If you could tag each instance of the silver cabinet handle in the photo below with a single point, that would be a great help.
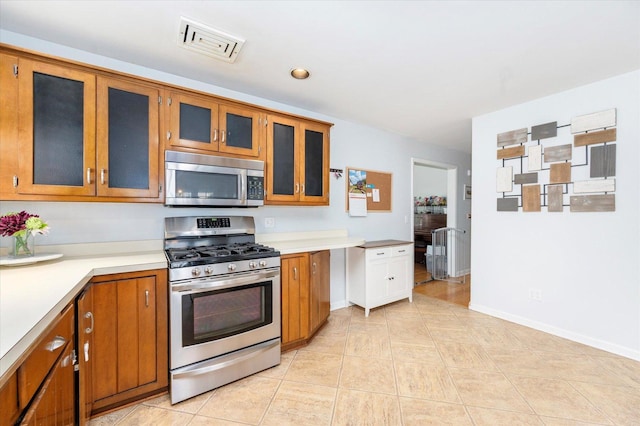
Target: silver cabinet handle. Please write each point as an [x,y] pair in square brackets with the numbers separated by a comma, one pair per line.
[222,132]
[297,187]
[303,188]
[295,273]
[89,315]
[56,343]
[146,298]
[215,135]
[102,176]
[314,268]
[88,175]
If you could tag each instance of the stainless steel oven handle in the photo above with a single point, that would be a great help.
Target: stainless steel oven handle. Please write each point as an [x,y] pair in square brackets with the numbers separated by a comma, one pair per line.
[204,370]
[215,284]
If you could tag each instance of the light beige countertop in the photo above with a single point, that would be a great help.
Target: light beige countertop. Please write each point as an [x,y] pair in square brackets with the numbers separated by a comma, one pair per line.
[31,296]
[299,242]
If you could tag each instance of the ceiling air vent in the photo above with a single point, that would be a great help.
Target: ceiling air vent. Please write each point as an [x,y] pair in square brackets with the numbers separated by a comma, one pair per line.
[209,41]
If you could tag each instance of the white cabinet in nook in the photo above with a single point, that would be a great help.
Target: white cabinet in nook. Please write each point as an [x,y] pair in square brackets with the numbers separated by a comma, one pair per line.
[379,272]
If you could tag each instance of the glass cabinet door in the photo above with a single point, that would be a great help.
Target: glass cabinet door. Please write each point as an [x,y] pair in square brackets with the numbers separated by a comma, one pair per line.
[240,131]
[315,169]
[127,139]
[57,132]
[194,122]
[282,153]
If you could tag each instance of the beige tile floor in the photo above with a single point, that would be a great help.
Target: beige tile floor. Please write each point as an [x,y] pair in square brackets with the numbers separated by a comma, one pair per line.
[420,363]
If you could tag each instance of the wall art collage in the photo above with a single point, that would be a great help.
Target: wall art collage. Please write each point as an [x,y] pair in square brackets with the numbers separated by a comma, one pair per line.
[557,166]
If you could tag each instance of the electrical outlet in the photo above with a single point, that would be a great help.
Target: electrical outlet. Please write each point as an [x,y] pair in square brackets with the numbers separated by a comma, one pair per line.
[535,294]
[269,222]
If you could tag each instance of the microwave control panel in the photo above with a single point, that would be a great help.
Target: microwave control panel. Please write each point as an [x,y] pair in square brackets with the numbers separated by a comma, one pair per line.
[255,187]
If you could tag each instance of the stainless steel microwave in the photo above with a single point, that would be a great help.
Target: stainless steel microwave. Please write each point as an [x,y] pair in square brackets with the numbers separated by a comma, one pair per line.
[212,181]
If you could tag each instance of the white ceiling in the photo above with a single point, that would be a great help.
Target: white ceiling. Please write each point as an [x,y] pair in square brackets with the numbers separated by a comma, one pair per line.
[421,69]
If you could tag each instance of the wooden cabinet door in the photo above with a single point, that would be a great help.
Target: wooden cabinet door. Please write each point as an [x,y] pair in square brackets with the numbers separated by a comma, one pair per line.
[130,351]
[127,139]
[9,406]
[84,353]
[57,130]
[314,160]
[193,122]
[319,273]
[8,125]
[54,404]
[320,298]
[282,174]
[240,130]
[295,298]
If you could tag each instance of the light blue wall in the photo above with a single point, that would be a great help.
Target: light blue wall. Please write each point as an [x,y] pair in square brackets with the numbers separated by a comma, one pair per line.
[585,265]
[352,145]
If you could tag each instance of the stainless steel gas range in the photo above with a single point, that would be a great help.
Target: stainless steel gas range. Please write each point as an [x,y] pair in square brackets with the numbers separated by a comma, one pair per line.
[224,302]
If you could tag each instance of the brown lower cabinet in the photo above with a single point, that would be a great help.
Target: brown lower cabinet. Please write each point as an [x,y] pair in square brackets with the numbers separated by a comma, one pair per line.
[123,348]
[305,281]
[41,391]
[54,404]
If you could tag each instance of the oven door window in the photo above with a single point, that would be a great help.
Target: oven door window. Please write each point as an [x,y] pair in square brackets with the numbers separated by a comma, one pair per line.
[217,314]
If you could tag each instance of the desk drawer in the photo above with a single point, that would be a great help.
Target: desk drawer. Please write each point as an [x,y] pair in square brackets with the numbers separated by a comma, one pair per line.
[35,368]
[401,250]
[378,253]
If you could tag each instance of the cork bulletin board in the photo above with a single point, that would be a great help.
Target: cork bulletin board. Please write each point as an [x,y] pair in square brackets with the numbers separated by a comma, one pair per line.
[376,185]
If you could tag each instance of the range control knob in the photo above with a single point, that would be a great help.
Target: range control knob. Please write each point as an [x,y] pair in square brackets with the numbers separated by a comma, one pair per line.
[195,272]
[208,270]
[263,263]
[253,265]
[231,267]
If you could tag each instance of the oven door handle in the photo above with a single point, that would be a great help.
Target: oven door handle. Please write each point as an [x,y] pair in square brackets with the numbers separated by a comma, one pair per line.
[215,284]
[197,371]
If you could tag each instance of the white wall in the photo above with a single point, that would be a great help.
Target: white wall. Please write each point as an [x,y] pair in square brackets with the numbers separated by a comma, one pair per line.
[585,264]
[352,145]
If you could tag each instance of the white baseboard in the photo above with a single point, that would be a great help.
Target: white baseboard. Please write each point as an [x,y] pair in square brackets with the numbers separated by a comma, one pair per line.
[576,337]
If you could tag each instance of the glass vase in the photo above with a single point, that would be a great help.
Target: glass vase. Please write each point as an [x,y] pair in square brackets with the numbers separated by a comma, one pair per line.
[23,245]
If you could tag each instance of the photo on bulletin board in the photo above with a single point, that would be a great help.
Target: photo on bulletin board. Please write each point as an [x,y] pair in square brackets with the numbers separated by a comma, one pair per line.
[357,181]
[466,194]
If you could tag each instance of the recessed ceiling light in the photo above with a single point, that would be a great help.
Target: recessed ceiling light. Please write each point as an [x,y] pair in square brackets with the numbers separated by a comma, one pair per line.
[300,73]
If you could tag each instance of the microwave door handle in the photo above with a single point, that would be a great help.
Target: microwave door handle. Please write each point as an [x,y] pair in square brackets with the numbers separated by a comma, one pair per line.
[243,186]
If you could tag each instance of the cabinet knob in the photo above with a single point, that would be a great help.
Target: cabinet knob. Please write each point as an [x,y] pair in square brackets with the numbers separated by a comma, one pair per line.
[215,135]
[102,172]
[88,175]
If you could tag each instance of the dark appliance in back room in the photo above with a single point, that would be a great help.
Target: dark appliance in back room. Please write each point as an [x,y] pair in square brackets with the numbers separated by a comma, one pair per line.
[224,303]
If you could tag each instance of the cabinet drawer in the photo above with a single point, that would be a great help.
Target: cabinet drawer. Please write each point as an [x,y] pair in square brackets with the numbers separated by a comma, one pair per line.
[401,250]
[49,347]
[378,253]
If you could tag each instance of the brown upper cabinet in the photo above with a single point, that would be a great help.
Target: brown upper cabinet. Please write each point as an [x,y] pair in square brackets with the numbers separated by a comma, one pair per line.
[297,162]
[73,132]
[86,135]
[204,124]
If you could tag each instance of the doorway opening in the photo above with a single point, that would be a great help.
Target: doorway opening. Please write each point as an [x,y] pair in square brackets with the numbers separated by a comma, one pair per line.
[435,205]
